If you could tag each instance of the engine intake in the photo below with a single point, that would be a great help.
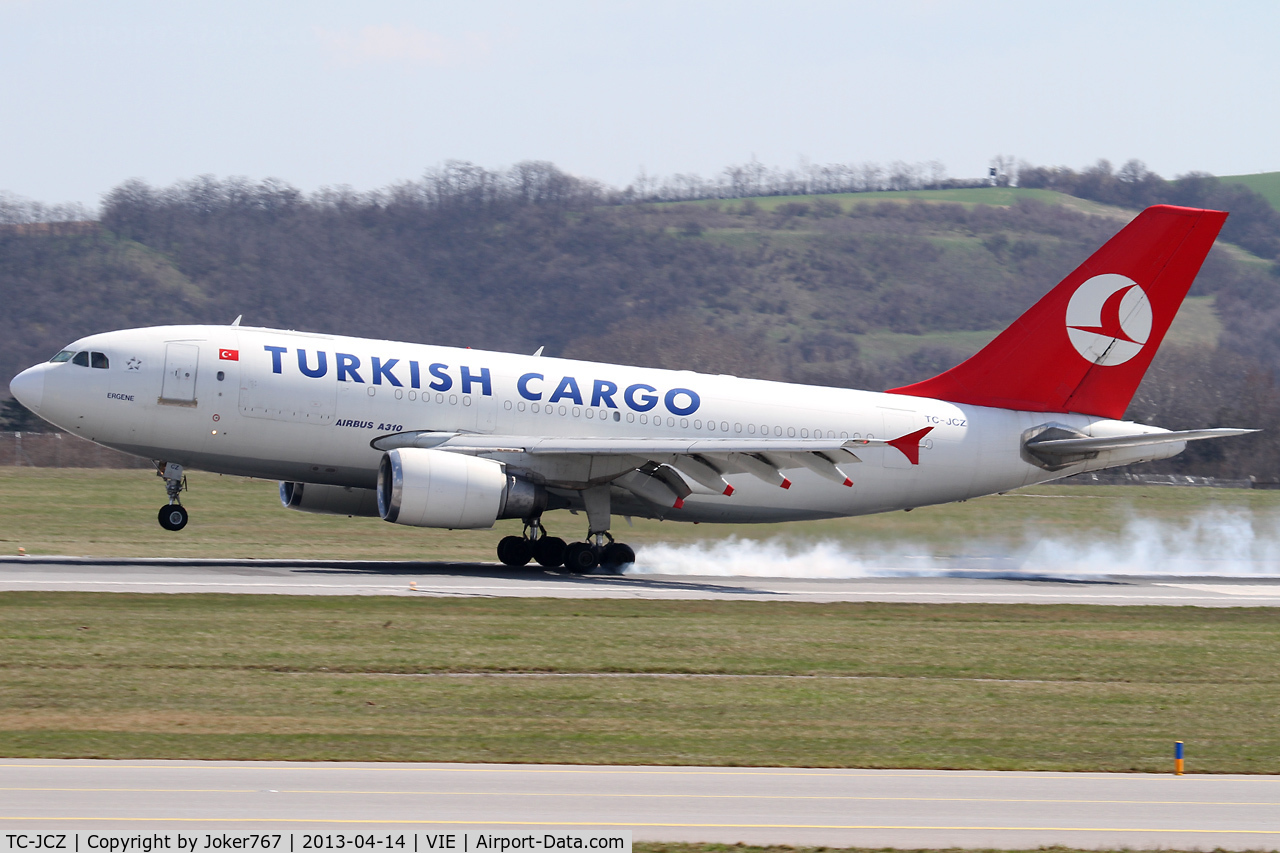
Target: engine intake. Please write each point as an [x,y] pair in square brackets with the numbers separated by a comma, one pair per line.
[329,500]
[437,488]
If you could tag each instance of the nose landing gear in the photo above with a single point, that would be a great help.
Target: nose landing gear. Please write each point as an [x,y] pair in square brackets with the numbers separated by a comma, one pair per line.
[173,515]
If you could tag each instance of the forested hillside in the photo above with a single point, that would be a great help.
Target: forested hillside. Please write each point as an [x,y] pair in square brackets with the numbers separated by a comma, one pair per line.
[836,289]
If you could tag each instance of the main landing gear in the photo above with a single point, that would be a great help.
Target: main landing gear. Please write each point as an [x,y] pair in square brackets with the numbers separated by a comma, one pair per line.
[582,557]
[577,557]
[535,544]
[173,515]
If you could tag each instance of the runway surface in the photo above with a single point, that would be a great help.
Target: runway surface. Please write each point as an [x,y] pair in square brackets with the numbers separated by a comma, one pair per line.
[900,808]
[309,577]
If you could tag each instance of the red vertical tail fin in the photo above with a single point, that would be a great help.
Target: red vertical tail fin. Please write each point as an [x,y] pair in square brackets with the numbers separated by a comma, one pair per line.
[1085,346]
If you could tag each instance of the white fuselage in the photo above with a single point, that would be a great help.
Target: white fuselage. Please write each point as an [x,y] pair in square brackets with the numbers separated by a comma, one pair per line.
[239,400]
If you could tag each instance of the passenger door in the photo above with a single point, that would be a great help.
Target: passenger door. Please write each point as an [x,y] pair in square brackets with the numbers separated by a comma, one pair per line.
[178,387]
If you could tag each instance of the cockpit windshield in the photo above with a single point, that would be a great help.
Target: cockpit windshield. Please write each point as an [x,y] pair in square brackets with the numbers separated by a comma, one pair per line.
[84,359]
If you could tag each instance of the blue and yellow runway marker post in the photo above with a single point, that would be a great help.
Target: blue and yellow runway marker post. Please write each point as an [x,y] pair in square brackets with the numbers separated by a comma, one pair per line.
[1177,758]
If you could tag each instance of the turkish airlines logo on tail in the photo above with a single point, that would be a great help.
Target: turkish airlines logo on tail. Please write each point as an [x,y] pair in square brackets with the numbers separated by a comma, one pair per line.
[1109,319]
[229,354]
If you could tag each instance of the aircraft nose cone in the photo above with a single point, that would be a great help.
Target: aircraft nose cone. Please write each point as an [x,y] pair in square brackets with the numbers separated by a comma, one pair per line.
[28,387]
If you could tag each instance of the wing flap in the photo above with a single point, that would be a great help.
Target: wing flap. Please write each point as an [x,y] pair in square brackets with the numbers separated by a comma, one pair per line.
[627,446]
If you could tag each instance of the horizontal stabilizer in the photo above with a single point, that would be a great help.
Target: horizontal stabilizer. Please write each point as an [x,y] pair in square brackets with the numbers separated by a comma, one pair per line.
[1071,446]
[910,444]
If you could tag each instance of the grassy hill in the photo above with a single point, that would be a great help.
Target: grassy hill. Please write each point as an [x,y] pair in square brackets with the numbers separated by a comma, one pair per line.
[968,196]
[1266,184]
[870,289]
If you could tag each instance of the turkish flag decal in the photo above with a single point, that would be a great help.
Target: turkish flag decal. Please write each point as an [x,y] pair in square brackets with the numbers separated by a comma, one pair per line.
[229,354]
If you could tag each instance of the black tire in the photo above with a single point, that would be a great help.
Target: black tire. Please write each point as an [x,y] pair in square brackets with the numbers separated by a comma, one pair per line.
[549,551]
[617,554]
[579,557]
[173,516]
[514,551]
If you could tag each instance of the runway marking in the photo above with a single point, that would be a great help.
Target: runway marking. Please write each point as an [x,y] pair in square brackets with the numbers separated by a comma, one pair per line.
[763,772]
[1229,589]
[579,795]
[718,675]
[649,824]
[616,590]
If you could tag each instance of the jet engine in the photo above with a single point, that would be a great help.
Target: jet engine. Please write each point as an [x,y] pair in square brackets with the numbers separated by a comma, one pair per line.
[437,488]
[329,500]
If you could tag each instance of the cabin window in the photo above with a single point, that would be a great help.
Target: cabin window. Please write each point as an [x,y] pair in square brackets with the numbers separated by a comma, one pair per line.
[65,355]
[82,359]
[617,416]
[221,375]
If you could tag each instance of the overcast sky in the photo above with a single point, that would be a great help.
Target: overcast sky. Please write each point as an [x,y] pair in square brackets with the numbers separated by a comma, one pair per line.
[369,93]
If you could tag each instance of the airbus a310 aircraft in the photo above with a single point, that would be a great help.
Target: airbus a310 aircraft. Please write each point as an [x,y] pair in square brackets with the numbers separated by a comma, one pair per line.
[458,438]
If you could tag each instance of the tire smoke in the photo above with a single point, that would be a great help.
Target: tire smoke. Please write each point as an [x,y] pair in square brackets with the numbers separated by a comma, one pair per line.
[1214,543]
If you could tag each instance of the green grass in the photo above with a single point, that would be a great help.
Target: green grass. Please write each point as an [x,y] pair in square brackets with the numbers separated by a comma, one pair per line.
[366,678]
[1197,324]
[103,512]
[995,196]
[1266,184]
[883,345]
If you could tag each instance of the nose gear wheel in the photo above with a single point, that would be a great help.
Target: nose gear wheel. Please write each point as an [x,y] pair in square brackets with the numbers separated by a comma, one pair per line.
[173,515]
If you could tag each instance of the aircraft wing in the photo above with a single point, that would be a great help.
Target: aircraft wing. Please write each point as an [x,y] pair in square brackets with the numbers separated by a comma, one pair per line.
[704,460]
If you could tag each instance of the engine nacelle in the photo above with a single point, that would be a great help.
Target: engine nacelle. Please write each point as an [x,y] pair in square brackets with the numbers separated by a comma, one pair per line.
[329,500]
[437,488]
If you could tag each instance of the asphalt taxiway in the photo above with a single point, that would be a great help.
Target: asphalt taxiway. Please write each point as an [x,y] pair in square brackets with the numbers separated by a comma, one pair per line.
[872,808]
[312,577]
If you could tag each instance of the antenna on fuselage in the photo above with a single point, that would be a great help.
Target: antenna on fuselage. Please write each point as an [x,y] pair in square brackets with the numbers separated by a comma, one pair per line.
[236,321]
[539,351]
